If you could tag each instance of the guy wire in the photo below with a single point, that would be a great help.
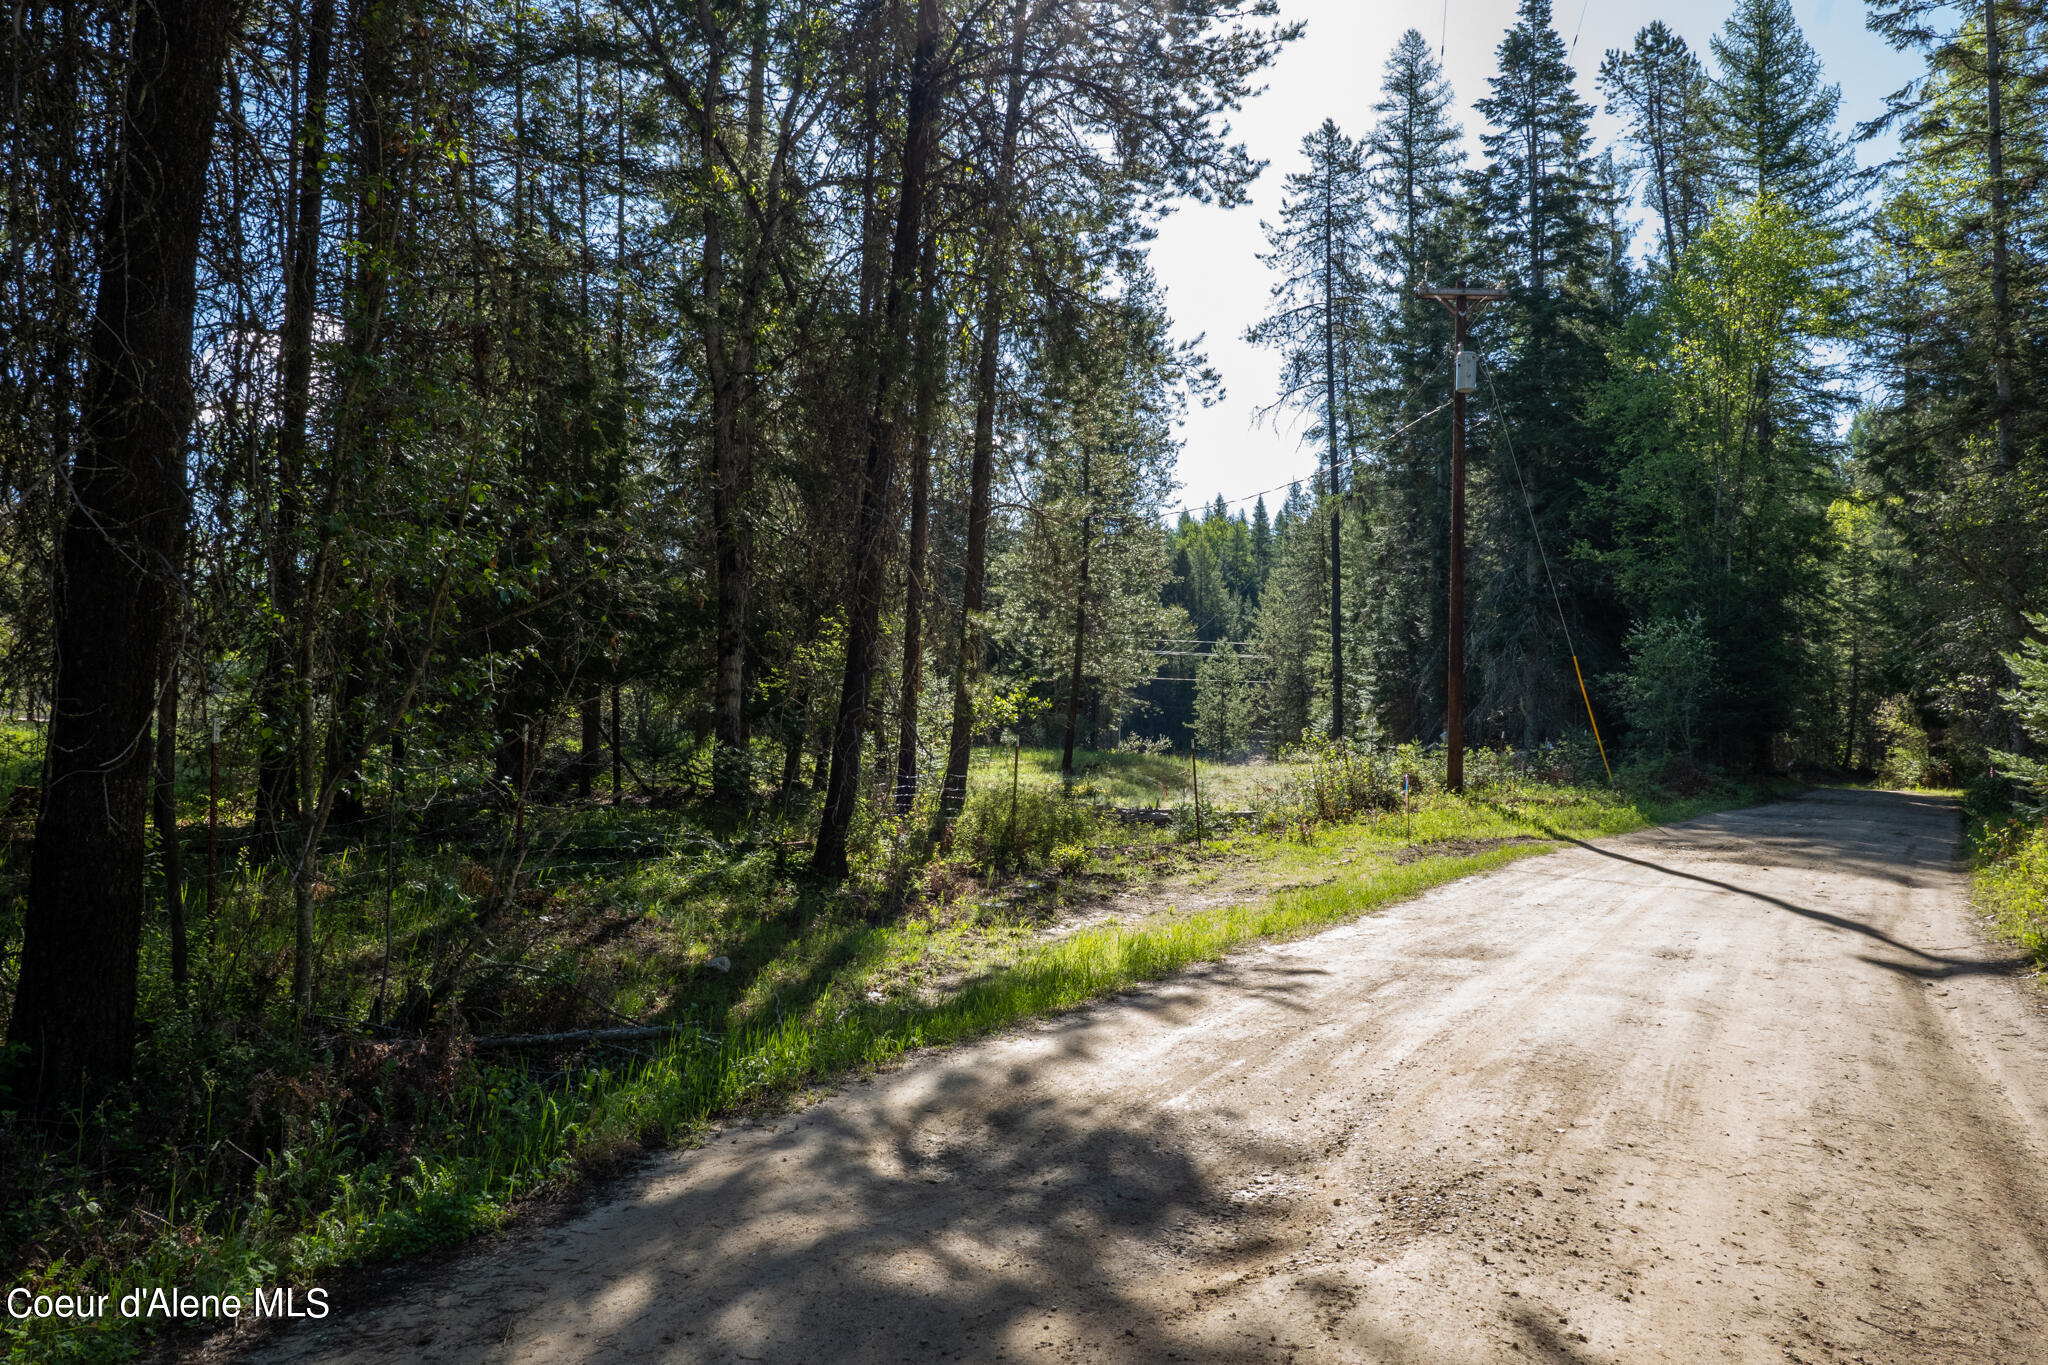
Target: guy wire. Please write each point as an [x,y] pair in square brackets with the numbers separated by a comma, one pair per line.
[1529,506]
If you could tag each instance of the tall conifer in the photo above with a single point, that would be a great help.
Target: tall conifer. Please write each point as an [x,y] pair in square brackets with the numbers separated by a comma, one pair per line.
[1317,248]
[1538,201]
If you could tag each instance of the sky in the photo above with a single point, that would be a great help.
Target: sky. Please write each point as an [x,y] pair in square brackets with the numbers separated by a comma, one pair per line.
[1207,258]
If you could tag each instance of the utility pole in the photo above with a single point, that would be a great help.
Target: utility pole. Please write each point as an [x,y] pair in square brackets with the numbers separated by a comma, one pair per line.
[1464,379]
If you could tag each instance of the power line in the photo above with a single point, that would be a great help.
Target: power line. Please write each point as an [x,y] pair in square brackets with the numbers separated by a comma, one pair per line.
[1348,459]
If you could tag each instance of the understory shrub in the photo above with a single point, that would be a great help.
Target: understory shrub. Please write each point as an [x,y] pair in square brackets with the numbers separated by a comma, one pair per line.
[1347,778]
[999,829]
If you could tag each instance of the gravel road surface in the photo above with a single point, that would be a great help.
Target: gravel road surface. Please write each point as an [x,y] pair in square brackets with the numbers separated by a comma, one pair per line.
[1753,1088]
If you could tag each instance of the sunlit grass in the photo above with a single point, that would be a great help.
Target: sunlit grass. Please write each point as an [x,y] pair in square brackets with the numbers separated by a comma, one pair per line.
[2011,883]
[1133,779]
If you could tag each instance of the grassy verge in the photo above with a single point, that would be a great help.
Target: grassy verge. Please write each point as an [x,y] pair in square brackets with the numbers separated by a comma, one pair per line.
[2010,876]
[375,1150]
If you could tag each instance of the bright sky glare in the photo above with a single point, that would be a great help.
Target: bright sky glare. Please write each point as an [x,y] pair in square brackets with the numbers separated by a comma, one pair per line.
[1207,257]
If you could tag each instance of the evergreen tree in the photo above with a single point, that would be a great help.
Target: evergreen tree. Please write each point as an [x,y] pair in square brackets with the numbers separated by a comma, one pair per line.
[1317,249]
[1290,632]
[1226,703]
[1660,92]
[1773,119]
[1262,545]
[1414,173]
[1539,202]
[1958,265]
[1081,613]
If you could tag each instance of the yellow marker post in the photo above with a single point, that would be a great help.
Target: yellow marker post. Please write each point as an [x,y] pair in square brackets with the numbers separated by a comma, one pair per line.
[1590,721]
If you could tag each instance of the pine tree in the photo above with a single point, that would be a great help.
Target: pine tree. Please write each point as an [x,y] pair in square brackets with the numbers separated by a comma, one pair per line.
[1317,248]
[1773,119]
[1415,169]
[1082,611]
[1539,202]
[1262,545]
[1660,92]
[1956,269]
[1291,630]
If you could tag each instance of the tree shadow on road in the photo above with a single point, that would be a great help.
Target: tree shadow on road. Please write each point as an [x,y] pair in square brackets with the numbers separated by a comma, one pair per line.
[1862,851]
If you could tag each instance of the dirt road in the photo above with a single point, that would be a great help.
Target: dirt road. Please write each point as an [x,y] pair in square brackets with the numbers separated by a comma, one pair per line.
[1750,1089]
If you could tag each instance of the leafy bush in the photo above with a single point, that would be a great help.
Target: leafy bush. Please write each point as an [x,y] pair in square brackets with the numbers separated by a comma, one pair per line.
[1196,817]
[992,832]
[886,852]
[1347,778]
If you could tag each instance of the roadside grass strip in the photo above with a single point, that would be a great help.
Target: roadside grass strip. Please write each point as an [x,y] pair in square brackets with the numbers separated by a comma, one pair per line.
[2012,883]
[687,1084]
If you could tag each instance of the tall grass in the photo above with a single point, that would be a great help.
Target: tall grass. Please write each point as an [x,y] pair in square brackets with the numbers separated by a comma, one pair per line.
[2012,883]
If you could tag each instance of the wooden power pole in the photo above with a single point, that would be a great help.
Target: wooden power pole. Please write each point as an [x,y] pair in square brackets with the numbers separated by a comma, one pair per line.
[1464,379]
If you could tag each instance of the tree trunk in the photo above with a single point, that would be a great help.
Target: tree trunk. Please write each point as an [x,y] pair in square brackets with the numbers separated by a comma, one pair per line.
[981,478]
[842,788]
[1080,628]
[166,816]
[732,546]
[74,1007]
[590,751]
[276,752]
[928,344]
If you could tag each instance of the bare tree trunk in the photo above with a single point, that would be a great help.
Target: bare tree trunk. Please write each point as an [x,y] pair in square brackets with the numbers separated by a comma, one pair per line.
[914,587]
[279,740]
[166,816]
[842,788]
[74,1007]
[1080,624]
[981,477]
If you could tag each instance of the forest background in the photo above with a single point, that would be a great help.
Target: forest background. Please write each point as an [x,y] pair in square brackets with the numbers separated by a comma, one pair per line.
[424,420]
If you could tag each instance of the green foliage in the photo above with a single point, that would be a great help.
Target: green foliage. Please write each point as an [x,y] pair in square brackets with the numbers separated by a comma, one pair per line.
[1720,505]
[1660,91]
[1907,759]
[1341,780]
[1774,118]
[2012,882]
[1664,692]
[2029,701]
[1086,569]
[1019,831]
[1226,704]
